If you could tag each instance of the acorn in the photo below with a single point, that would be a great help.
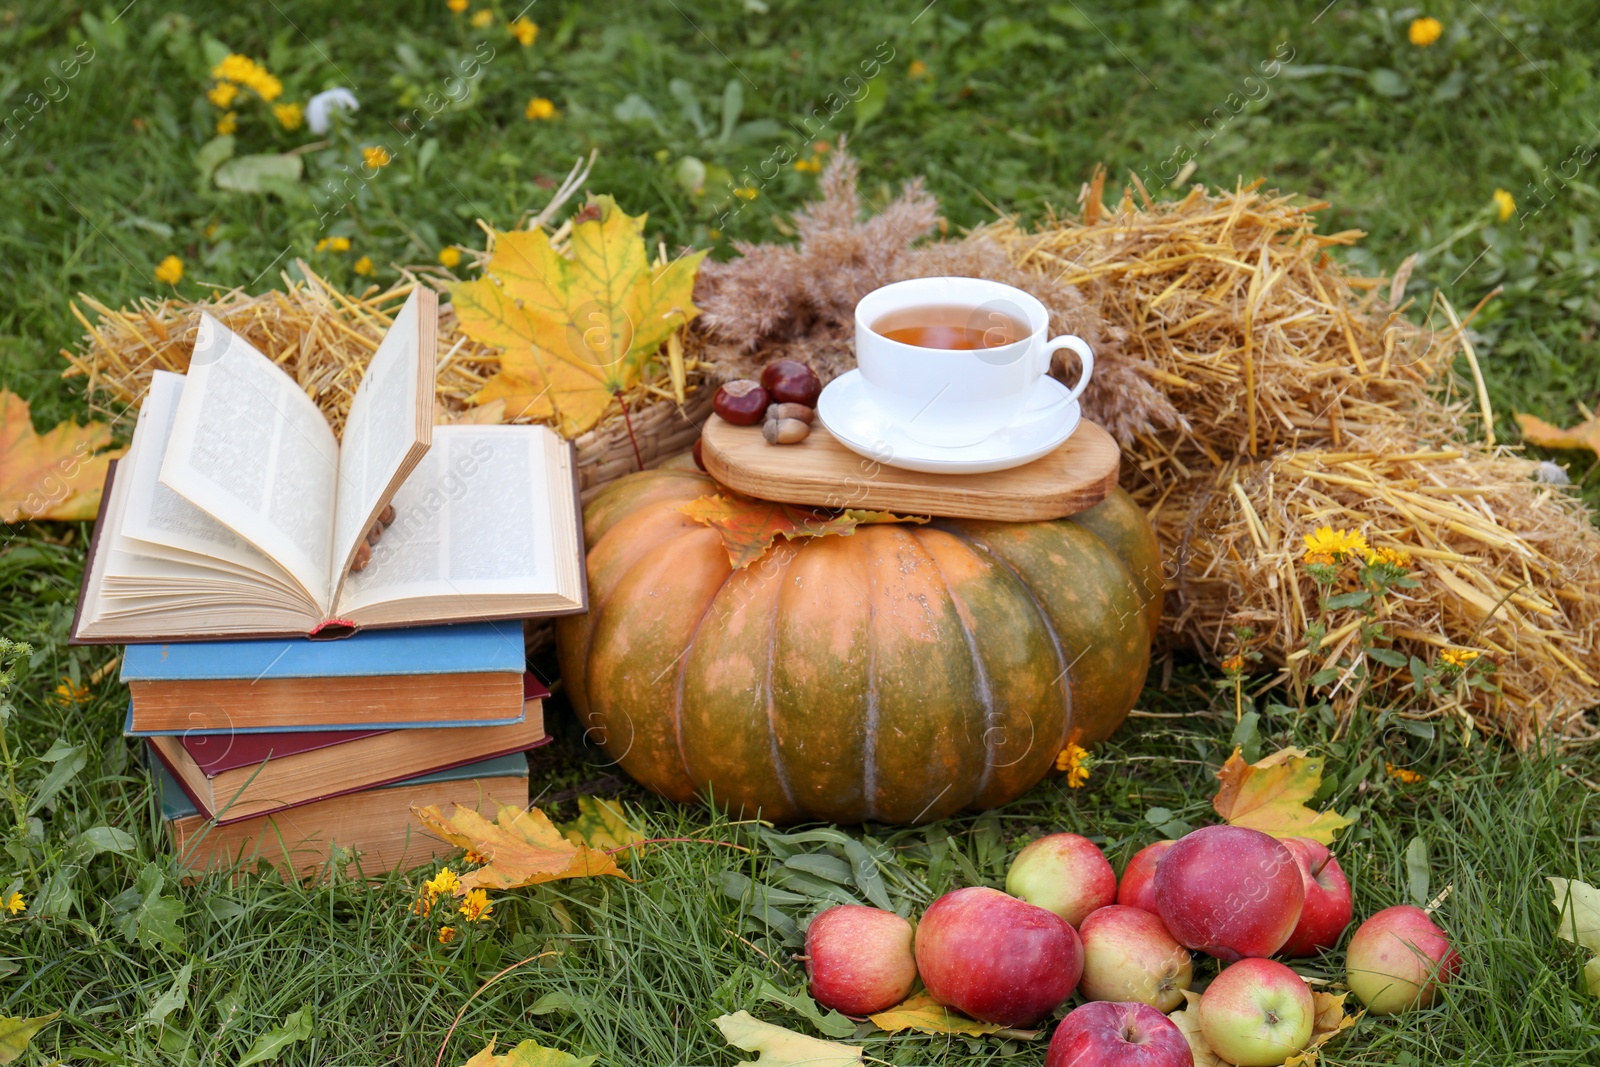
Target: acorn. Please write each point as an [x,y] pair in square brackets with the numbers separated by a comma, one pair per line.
[785,431]
[741,402]
[791,411]
[386,516]
[791,382]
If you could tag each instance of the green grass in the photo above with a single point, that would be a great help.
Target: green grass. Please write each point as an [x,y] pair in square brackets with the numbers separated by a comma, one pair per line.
[1018,103]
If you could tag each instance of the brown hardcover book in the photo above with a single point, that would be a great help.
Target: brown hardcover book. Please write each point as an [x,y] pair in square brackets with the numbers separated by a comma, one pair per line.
[375,826]
[231,777]
[236,512]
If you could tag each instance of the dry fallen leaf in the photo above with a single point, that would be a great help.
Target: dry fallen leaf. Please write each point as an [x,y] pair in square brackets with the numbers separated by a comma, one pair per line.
[57,475]
[601,825]
[576,327]
[1579,905]
[782,1048]
[1535,431]
[1271,793]
[528,1054]
[922,1013]
[1187,1020]
[749,527]
[520,848]
[16,1033]
[1331,1021]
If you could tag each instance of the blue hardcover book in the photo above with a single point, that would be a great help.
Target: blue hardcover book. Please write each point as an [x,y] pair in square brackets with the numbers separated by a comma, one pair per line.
[465,675]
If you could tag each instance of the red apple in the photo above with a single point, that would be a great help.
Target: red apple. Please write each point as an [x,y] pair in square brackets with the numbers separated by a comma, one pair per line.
[1257,1013]
[1327,908]
[1063,873]
[1138,888]
[1230,891]
[1105,1034]
[1129,955]
[1398,959]
[997,958]
[860,959]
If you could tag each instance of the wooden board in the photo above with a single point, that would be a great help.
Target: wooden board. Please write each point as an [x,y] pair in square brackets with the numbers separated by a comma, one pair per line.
[822,472]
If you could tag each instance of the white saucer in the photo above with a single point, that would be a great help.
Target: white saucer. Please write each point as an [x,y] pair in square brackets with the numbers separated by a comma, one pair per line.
[861,426]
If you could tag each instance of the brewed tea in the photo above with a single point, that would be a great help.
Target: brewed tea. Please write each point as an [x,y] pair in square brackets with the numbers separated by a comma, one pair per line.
[951,327]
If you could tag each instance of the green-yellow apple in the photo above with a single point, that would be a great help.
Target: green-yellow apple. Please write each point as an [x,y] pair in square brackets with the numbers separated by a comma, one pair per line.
[1398,959]
[1257,1013]
[859,959]
[1129,955]
[1107,1034]
[1063,873]
[997,958]
[1230,891]
[1138,886]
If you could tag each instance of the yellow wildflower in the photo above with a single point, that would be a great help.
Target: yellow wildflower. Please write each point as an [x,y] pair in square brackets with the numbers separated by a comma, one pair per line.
[375,156]
[447,934]
[235,68]
[364,266]
[747,192]
[807,165]
[1336,543]
[1234,664]
[289,116]
[525,30]
[1394,557]
[475,905]
[539,108]
[1457,658]
[482,17]
[222,94]
[228,123]
[169,271]
[68,694]
[1505,204]
[334,244]
[15,903]
[474,857]
[918,69]
[1425,31]
[266,86]
[714,233]
[456,6]
[1071,759]
[443,882]
[1403,775]
[449,257]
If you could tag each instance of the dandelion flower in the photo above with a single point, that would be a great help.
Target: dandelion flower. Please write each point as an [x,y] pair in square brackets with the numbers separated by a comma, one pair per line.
[1425,31]
[1072,760]
[1505,204]
[525,30]
[482,17]
[375,157]
[227,123]
[1338,544]
[539,108]
[747,192]
[67,693]
[447,934]
[289,116]
[456,6]
[364,266]
[918,69]
[169,271]
[475,905]
[15,903]
[1403,775]
[449,257]
[320,108]
[1457,658]
[222,94]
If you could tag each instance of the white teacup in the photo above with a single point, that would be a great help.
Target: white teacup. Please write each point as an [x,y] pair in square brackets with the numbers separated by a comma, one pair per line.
[956,397]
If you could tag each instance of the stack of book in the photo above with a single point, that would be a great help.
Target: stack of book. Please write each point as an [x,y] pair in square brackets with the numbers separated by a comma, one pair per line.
[241,543]
[282,751]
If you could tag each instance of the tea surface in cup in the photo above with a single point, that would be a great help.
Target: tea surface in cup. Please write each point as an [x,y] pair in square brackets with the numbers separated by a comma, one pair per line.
[951,327]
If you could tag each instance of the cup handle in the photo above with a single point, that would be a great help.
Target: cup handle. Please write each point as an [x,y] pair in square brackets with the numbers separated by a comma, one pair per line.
[1084,353]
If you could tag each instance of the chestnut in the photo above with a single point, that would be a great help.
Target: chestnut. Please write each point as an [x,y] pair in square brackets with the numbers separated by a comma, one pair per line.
[791,382]
[741,402]
[791,411]
[785,431]
[699,460]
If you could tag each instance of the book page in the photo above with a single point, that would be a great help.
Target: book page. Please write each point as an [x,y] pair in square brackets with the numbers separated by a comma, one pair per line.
[250,449]
[389,428]
[471,520]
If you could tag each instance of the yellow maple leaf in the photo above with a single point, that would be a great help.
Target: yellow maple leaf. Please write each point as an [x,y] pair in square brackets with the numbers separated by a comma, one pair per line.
[520,848]
[779,1047]
[57,475]
[1270,795]
[15,1034]
[1536,431]
[922,1013]
[528,1054]
[576,327]
[601,824]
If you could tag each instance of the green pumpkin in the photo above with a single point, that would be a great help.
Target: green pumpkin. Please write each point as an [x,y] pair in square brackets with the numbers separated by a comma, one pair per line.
[899,674]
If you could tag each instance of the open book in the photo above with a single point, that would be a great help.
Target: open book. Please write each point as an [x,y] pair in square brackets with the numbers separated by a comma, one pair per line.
[236,512]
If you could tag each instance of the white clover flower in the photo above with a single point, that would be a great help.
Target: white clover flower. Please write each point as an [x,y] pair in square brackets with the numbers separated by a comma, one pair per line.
[319,109]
